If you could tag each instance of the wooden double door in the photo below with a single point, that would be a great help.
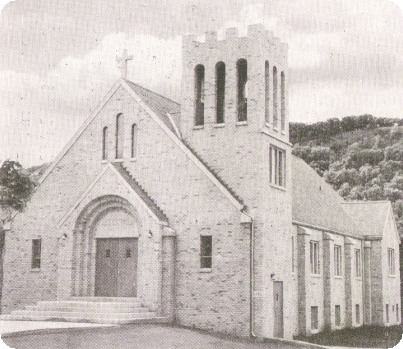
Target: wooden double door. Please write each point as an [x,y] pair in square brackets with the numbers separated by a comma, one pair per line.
[116,267]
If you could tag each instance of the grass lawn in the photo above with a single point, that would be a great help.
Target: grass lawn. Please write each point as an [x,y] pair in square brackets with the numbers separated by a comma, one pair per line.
[365,337]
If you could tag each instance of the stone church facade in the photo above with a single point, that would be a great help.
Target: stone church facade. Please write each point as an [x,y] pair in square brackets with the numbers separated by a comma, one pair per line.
[199,211]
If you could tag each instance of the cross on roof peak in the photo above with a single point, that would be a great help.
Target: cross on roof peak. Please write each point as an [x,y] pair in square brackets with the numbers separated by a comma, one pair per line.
[122,63]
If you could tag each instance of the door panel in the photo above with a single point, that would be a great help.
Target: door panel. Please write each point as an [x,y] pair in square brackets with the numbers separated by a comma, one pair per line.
[278,309]
[116,267]
[128,252]
[106,276]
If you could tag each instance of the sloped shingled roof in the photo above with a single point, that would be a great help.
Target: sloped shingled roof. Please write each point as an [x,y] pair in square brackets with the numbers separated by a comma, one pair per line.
[158,104]
[369,215]
[316,203]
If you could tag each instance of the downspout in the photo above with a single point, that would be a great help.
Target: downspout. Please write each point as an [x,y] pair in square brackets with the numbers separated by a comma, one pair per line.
[252,276]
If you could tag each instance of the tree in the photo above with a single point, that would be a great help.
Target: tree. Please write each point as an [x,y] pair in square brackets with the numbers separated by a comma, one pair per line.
[15,186]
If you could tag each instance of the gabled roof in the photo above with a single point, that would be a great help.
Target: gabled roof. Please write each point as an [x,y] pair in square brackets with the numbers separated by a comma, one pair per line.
[316,203]
[161,105]
[370,216]
[140,191]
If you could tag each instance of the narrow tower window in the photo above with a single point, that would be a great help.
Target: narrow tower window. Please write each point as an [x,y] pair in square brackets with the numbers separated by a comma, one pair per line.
[267,91]
[119,136]
[242,69]
[220,91]
[104,143]
[275,115]
[133,150]
[282,101]
[199,103]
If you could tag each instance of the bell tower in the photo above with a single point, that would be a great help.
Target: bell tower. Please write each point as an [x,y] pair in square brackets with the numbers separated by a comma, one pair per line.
[234,116]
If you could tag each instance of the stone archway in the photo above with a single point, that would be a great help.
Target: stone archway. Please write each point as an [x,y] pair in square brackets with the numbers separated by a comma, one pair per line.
[90,225]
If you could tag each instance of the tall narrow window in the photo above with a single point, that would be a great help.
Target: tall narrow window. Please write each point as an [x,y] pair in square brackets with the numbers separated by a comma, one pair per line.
[36,254]
[337,315]
[242,71]
[282,90]
[199,94]
[314,257]
[206,251]
[275,101]
[314,318]
[133,146]
[337,260]
[104,143]
[357,314]
[358,263]
[387,313]
[220,92]
[119,136]
[267,91]
[277,167]
[397,312]
[292,254]
[391,261]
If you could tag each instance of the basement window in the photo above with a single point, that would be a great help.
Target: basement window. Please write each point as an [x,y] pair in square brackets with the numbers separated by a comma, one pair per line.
[36,254]
[206,251]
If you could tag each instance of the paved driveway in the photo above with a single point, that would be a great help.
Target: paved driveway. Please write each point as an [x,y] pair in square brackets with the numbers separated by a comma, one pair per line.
[133,337]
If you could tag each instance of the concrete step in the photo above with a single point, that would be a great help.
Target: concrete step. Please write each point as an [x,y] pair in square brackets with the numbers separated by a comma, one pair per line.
[83,314]
[75,303]
[106,299]
[94,308]
[98,320]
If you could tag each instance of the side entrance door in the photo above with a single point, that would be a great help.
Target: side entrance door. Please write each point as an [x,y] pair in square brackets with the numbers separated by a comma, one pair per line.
[278,309]
[116,267]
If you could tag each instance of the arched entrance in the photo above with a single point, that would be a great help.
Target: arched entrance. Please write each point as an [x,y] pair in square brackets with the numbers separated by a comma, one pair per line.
[105,249]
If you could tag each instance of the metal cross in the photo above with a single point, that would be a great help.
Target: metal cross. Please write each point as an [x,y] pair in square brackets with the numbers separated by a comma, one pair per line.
[122,63]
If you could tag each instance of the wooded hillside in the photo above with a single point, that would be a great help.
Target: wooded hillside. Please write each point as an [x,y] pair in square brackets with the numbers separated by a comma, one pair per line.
[362,161]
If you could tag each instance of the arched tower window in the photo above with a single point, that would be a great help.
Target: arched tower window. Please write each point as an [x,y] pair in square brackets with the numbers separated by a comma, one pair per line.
[199,94]
[282,88]
[104,143]
[119,136]
[275,106]
[133,146]
[242,75]
[267,91]
[220,91]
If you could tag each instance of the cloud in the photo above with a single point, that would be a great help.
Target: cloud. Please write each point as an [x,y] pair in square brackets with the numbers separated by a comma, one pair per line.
[40,112]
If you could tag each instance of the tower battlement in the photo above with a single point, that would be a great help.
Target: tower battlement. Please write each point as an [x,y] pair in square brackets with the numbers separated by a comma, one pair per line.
[256,32]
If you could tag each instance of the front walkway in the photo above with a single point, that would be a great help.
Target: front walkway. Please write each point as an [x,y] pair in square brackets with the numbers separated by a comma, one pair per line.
[138,336]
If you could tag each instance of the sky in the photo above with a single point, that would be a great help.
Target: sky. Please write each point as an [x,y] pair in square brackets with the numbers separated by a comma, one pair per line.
[57,58]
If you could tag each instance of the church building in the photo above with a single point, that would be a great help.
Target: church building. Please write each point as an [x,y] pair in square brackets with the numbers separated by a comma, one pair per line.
[198,214]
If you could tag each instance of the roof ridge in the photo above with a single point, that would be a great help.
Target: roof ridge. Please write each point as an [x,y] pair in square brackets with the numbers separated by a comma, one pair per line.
[367,202]
[149,90]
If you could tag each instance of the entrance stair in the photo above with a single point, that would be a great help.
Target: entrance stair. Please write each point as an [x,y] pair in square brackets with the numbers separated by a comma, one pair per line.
[101,310]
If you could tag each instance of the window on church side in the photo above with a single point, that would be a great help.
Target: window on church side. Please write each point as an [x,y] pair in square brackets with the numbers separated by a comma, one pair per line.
[337,260]
[314,257]
[397,312]
[277,167]
[36,254]
[357,314]
[387,313]
[206,251]
[242,77]
[275,101]
[119,136]
[104,143]
[267,91]
[391,261]
[358,267]
[220,92]
[314,318]
[133,146]
[337,315]
[199,94]
[282,91]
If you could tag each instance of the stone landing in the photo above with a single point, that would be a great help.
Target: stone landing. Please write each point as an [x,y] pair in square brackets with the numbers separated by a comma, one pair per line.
[102,310]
